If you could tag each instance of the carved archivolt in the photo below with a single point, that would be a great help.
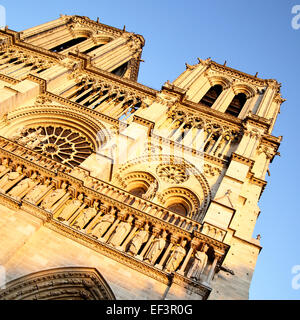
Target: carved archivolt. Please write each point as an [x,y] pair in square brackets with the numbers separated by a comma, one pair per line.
[69,283]
[181,196]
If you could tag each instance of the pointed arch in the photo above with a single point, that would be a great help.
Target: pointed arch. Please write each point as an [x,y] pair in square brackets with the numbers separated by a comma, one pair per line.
[66,283]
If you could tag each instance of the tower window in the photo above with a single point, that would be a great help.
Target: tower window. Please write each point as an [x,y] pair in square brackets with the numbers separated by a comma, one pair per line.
[211,95]
[120,71]
[236,104]
[92,48]
[68,44]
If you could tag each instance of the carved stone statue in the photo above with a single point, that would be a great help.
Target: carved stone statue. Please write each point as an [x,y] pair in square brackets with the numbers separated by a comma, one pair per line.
[199,264]
[86,216]
[23,185]
[176,257]
[156,248]
[4,165]
[10,178]
[37,141]
[137,241]
[32,139]
[53,197]
[18,134]
[151,191]
[121,232]
[70,208]
[37,192]
[101,227]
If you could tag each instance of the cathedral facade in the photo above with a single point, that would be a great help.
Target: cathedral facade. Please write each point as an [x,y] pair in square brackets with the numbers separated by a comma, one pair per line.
[110,189]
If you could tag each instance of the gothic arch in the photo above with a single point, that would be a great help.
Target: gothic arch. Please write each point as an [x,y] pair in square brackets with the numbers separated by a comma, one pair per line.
[67,283]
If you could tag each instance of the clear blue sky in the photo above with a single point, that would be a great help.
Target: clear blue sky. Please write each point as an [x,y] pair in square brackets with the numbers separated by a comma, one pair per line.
[252,36]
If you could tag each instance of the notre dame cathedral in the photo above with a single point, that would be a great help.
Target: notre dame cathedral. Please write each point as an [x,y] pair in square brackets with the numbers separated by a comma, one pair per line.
[110,189]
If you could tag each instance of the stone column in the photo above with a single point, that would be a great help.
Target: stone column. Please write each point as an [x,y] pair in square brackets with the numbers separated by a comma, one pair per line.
[224,100]
[212,269]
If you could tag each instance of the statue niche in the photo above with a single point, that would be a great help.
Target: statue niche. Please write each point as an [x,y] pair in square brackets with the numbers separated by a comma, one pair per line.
[156,248]
[121,232]
[86,216]
[4,167]
[10,179]
[106,221]
[35,194]
[199,264]
[138,240]
[54,197]
[176,257]
[70,208]
[23,186]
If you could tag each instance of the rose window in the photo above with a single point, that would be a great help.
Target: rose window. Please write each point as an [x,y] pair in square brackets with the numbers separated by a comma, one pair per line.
[61,144]
[172,174]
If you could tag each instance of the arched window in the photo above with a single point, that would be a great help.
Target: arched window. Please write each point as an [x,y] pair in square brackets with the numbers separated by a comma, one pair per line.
[68,44]
[178,208]
[211,95]
[236,104]
[139,191]
[120,71]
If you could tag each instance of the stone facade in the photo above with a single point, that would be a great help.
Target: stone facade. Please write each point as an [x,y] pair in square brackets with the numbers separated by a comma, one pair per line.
[119,190]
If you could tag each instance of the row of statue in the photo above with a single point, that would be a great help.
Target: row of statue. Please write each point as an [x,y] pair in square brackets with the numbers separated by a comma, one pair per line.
[76,213]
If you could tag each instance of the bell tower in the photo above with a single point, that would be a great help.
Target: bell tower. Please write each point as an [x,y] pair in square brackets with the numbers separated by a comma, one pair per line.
[154,192]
